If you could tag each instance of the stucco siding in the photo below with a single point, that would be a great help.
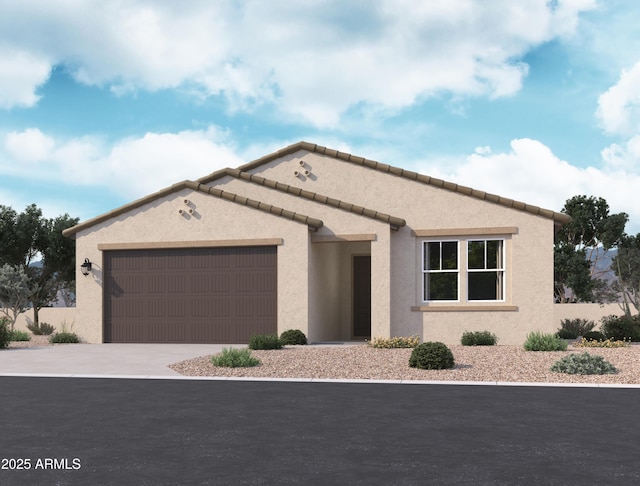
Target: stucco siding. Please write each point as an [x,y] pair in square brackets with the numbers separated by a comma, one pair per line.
[213,219]
[529,269]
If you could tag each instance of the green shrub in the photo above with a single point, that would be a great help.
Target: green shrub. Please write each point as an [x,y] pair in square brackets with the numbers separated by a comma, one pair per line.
[265,341]
[583,364]
[5,333]
[395,342]
[43,329]
[293,337]
[622,328]
[572,328]
[234,358]
[16,335]
[64,338]
[594,336]
[478,338]
[431,356]
[539,341]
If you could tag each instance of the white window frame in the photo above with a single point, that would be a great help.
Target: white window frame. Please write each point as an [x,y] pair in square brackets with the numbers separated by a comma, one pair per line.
[500,270]
[426,272]
[463,269]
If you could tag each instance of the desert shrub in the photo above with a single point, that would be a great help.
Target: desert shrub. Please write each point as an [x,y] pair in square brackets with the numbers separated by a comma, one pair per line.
[622,328]
[431,356]
[539,341]
[5,332]
[583,364]
[395,342]
[64,338]
[234,358]
[572,328]
[265,341]
[594,336]
[606,343]
[43,329]
[478,338]
[293,337]
[19,335]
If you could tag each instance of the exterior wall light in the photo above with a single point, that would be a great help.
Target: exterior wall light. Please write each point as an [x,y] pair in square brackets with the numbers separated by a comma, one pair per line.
[85,268]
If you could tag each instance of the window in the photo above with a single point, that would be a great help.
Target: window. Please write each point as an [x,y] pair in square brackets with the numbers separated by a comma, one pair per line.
[482,279]
[440,270]
[485,277]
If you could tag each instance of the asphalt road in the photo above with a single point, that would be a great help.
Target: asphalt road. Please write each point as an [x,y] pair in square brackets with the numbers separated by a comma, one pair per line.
[177,432]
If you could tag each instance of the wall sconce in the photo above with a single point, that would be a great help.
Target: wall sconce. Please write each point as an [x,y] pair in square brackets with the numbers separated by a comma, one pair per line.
[85,268]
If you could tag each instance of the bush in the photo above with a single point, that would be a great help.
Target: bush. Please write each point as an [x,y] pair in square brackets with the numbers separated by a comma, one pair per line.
[293,337]
[539,341]
[607,343]
[64,338]
[43,329]
[594,336]
[234,358]
[622,328]
[572,328]
[431,356]
[583,364]
[16,335]
[265,341]
[478,338]
[5,333]
[395,342]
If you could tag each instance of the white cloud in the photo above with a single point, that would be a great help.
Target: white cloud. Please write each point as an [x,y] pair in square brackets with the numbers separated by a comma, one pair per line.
[130,167]
[531,173]
[619,107]
[21,73]
[316,58]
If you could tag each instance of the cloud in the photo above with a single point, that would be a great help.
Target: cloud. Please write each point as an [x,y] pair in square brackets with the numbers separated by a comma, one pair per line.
[21,73]
[316,59]
[619,107]
[531,173]
[130,167]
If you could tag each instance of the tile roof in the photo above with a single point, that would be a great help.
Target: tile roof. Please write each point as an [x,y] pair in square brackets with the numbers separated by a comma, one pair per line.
[558,218]
[313,223]
[393,221]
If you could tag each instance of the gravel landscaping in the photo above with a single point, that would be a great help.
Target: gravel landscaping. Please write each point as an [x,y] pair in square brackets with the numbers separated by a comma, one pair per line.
[473,363]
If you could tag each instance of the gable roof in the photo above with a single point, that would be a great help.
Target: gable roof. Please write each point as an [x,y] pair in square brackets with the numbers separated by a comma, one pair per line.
[558,218]
[393,221]
[313,223]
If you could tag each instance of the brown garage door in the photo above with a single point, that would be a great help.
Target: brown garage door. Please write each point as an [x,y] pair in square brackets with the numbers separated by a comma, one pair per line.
[208,295]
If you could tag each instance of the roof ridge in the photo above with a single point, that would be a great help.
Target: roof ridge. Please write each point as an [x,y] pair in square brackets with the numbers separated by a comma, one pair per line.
[394,221]
[559,218]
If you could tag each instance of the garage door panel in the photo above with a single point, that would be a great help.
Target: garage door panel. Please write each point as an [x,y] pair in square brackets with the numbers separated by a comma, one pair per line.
[216,295]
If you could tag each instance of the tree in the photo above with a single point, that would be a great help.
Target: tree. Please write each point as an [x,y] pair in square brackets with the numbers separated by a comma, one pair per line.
[626,266]
[15,292]
[28,237]
[588,237]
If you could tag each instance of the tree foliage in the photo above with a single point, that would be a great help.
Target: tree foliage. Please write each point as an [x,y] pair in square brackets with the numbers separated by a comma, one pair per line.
[36,245]
[581,245]
[15,292]
[626,266]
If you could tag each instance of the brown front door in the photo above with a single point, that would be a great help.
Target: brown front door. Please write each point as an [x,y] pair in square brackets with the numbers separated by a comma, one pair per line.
[362,296]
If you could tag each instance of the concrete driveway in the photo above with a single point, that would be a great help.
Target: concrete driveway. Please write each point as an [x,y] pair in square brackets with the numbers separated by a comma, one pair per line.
[139,360]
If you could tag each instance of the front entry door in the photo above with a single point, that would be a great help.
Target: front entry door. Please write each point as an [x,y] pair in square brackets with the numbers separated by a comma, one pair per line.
[362,296]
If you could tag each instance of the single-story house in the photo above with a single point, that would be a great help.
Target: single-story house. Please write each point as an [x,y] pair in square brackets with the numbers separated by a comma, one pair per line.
[338,246]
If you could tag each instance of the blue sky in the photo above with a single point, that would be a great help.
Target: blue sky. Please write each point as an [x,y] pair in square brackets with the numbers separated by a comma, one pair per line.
[105,102]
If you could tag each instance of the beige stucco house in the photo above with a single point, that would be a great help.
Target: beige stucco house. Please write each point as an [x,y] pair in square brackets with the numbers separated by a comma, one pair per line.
[338,246]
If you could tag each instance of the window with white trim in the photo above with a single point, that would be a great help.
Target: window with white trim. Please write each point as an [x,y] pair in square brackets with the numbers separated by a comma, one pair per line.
[440,269]
[482,278]
[485,270]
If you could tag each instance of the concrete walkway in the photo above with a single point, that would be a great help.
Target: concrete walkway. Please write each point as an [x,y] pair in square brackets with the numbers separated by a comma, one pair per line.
[102,359]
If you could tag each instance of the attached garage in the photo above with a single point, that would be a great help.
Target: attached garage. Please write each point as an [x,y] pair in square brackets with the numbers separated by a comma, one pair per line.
[191,295]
